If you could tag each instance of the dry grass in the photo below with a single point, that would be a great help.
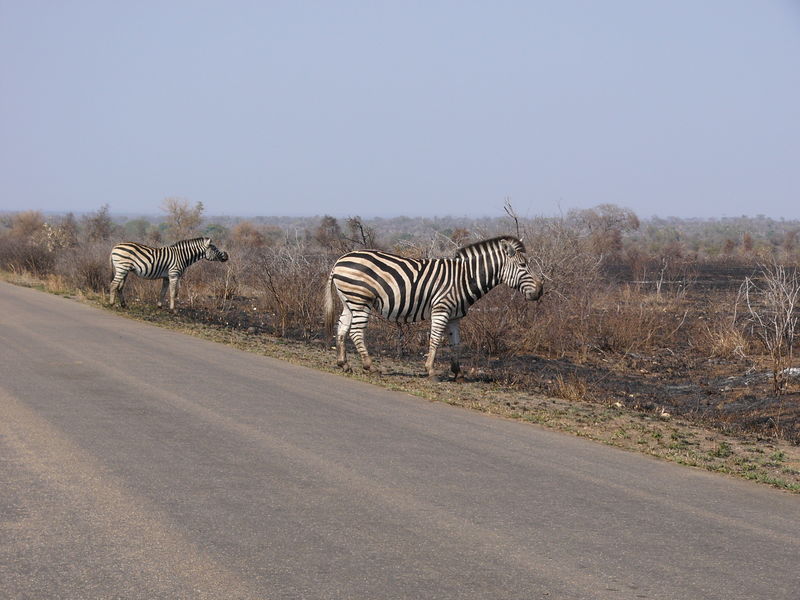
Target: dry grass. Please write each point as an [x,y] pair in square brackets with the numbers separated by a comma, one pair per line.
[723,339]
[570,388]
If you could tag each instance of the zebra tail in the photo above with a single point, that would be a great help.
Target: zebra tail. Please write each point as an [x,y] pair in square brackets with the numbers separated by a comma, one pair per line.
[330,307]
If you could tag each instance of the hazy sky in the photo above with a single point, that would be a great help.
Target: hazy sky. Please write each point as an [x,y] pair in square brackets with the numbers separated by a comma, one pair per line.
[371,108]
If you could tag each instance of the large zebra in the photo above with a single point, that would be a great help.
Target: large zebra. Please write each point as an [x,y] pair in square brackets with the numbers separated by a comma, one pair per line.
[167,263]
[407,290]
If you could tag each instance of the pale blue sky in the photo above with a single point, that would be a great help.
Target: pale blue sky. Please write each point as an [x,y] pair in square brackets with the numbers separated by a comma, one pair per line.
[671,108]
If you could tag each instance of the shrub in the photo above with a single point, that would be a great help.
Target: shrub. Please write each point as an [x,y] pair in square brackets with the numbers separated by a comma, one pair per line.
[85,268]
[288,283]
[26,255]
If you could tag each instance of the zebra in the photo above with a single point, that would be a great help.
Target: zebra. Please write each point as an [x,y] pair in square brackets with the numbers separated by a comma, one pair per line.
[408,290]
[167,263]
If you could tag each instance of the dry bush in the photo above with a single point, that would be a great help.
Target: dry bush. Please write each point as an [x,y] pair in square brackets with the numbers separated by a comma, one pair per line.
[29,255]
[27,225]
[612,319]
[493,323]
[226,285]
[437,245]
[603,227]
[583,311]
[84,267]
[720,331]
[140,290]
[245,235]
[63,234]
[771,307]
[183,220]
[722,339]
[204,285]
[560,323]
[669,273]
[399,339]
[98,226]
[626,319]
[24,247]
[289,284]
[336,241]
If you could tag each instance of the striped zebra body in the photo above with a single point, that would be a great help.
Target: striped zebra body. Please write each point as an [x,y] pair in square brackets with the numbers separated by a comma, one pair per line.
[167,263]
[407,290]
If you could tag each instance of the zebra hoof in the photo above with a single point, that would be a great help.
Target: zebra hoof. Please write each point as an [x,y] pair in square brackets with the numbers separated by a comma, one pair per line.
[346,368]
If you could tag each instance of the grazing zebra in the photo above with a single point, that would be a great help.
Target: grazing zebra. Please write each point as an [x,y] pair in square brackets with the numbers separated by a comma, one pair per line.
[408,290]
[167,263]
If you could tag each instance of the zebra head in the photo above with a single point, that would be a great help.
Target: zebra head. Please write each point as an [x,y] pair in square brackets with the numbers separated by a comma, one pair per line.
[214,253]
[516,272]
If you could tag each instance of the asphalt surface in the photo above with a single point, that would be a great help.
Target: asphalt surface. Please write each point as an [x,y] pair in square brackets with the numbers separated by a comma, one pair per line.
[136,462]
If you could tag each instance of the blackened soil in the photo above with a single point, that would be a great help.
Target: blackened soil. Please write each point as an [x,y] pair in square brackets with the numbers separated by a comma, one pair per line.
[732,396]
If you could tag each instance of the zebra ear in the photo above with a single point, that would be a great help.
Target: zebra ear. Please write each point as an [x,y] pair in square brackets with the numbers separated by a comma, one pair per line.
[509,248]
[208,242]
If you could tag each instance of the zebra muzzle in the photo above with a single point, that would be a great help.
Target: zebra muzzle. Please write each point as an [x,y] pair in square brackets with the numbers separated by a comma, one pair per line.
[534,295]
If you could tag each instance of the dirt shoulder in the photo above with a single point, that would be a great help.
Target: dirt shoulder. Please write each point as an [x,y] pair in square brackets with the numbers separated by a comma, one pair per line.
[656,432]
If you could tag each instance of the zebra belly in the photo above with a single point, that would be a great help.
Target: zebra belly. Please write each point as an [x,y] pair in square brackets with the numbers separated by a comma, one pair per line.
[155,274]
[410,314]
[159,272]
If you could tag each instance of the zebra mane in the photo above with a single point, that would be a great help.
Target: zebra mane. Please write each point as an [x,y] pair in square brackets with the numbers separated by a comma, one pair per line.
[463,252]
[191,242]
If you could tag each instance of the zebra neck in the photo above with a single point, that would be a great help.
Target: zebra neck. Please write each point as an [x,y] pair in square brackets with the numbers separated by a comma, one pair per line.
[191,252]
[481,274]
[193,258]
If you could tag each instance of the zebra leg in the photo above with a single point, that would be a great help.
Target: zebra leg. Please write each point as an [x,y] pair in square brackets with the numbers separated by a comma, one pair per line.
[454,335]
[163,294]
[173,292]
[439,322]
[112,292]
[117,285]
[342,330]
[357,327]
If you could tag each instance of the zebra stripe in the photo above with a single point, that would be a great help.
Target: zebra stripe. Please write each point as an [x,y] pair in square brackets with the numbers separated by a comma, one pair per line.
[408,290]
[167,263]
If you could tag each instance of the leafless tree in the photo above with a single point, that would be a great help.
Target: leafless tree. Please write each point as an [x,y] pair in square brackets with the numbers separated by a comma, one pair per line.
[361,234]
[183,219]
[772,314]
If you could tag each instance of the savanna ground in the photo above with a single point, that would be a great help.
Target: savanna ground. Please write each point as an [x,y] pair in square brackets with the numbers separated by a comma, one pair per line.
[648,337]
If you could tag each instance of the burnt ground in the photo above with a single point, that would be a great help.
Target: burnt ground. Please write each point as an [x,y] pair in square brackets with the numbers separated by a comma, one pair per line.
[733,396]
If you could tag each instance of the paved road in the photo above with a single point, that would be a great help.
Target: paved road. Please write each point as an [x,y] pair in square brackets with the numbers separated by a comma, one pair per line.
[140,463]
